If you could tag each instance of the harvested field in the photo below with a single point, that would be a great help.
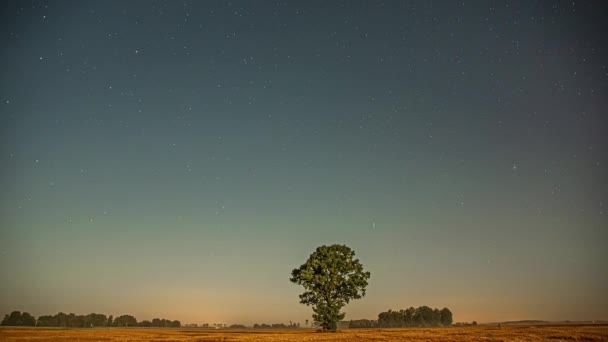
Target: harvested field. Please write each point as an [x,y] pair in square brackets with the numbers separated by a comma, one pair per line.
[554,333]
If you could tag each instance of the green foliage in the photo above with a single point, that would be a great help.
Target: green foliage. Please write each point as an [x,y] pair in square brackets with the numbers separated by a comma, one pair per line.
[95,320]
[145,324]
[291,325]
[16,319]
[331,277]
[73,321]
[91,320]
[125,321]
[446,317]
[161,323]
[47,321]
[362,323]
[422,316]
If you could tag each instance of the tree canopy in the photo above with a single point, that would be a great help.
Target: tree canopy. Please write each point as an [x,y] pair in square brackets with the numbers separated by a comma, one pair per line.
[91,320]
[16,318]
[422,316]
[331,277]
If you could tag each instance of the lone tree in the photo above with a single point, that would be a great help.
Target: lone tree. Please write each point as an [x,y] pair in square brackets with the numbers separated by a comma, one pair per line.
[331,278]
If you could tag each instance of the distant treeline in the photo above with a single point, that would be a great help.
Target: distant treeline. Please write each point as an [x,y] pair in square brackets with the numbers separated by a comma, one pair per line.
[91,320]
[422,316]
[466,324]
[276,326]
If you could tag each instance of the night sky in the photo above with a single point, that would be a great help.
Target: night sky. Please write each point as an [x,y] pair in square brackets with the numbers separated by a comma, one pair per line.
[177,159]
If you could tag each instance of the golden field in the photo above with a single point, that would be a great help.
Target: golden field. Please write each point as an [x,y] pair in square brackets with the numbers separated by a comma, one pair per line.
[479,333]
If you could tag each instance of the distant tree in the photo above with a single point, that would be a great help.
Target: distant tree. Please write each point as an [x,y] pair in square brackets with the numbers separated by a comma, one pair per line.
[422,316]
[427,316]
[331,277]
[61,319]
[293,325]
[125,321]
[95,320]
[417,318]
[16,318]
[110,322]
[28,320]
[145,324]
[237,326]
[306,322]
[362,323]
[446,317]
[75,321]
[436,321]
[165,323]
[408,316]
[13,319]
[47,321]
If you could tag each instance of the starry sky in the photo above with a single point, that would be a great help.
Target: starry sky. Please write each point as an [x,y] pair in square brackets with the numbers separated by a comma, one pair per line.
[177,159]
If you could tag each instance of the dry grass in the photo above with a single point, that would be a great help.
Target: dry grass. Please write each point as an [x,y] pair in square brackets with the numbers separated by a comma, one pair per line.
[552,333]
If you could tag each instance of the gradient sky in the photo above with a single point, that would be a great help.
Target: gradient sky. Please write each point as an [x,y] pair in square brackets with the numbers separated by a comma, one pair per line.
[177,159]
